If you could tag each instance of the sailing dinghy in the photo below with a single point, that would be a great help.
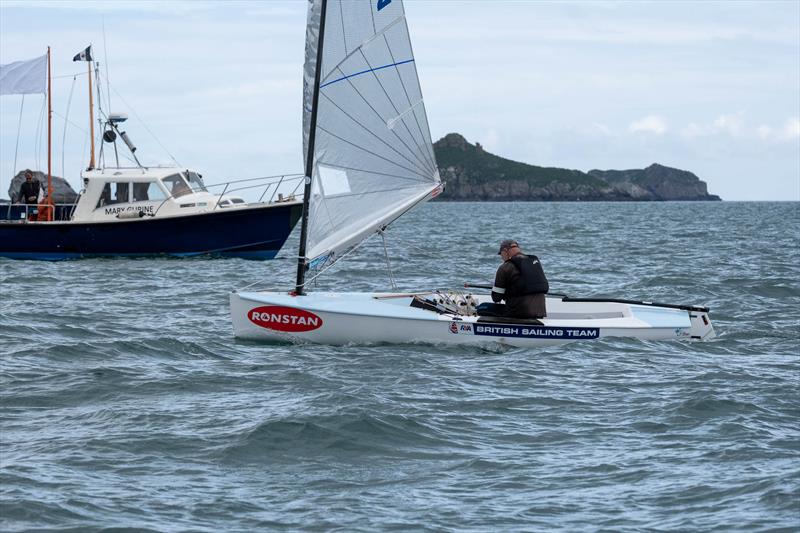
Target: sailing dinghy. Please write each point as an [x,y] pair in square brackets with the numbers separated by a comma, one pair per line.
[369,159]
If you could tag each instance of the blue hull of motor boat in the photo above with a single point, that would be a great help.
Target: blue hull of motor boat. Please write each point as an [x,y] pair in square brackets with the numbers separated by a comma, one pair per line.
[247,232]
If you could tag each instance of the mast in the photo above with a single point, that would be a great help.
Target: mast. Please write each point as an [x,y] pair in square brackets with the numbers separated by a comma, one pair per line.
[49,133]
[301,256]
[91,113]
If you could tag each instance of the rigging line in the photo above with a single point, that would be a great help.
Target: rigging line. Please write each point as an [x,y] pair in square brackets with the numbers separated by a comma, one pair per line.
[105,55]
[335,165]
[426,153]
[64,136]
[143,124]
[79,128]
[365,128]
[337,259]
[387,224]
[67,75]
[39,132]
[371,152]
[388,263]
[386,93]
[19,131]
[322,270]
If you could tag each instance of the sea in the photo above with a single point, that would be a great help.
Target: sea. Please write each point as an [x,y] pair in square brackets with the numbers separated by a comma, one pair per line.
[126,403]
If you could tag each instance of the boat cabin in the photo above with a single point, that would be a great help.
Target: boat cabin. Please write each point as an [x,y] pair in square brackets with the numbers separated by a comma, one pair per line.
[122,193]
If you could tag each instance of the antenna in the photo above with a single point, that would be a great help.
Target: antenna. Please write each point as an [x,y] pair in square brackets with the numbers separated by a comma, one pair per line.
[105,53]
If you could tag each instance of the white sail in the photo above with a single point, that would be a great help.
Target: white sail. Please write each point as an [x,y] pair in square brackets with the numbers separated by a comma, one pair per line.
[373,155]
[24,77]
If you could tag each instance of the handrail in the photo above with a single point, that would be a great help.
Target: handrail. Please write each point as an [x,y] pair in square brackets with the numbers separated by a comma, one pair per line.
[70,207]
[273,192]
[276,180]
[266,181]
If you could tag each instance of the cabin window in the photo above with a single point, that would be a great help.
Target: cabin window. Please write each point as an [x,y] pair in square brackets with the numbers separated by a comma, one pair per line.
[176,185]
[196,182]
[116,192]
[148,192]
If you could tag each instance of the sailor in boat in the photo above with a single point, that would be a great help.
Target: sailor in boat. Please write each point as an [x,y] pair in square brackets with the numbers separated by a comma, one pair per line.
[29,190]
[521,282]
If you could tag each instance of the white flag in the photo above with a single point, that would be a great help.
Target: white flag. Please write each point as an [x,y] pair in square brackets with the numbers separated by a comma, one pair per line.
[24,77]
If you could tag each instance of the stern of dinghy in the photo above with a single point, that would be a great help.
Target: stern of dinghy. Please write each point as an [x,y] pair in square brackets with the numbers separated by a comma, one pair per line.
[702,329]
[690,323]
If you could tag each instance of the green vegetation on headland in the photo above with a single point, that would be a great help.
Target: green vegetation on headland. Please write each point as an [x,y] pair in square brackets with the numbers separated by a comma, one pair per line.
[471,173]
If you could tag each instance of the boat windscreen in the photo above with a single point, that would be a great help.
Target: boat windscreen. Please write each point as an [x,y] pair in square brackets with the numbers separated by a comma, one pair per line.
[196,182]
[176,185]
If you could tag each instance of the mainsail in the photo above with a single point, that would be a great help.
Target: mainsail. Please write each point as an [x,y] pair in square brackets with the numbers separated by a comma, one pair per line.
[373,155]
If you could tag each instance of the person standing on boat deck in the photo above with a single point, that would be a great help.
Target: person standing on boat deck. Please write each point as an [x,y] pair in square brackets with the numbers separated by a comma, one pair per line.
[29,190]
[521,282]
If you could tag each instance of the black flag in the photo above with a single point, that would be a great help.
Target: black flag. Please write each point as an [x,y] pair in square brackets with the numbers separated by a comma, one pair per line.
[84,55]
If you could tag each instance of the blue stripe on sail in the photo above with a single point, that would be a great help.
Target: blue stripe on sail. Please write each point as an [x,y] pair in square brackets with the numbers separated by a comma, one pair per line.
[366,71]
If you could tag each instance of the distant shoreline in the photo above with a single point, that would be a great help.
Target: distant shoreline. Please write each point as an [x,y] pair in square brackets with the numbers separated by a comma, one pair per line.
[473,174]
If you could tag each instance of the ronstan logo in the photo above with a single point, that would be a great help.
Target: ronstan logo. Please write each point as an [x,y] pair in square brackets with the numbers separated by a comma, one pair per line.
[282,318]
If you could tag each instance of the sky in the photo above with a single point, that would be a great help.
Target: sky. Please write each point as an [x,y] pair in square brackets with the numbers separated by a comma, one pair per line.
[710,87]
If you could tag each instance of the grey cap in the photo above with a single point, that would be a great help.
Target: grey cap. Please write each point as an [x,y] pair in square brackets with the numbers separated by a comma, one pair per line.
[506,244]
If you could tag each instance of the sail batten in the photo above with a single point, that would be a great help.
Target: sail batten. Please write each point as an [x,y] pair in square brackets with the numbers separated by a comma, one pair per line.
[373,157]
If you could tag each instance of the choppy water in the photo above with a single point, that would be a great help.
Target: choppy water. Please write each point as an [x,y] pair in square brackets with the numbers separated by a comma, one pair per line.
[125,401]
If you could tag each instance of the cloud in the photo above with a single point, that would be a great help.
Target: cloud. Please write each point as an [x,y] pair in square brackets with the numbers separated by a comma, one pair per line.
[791,130]
[732,124]
[649,124]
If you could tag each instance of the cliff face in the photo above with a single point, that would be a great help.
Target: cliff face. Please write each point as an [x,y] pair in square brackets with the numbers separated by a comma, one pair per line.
[472,173]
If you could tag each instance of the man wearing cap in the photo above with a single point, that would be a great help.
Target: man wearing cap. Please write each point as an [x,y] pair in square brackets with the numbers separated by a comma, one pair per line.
[521,282]
[29,190]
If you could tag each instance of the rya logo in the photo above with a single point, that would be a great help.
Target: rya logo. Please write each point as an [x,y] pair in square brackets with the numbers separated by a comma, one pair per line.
[383,3]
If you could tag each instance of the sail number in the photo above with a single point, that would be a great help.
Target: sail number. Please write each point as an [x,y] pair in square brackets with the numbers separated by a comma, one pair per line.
[383,3]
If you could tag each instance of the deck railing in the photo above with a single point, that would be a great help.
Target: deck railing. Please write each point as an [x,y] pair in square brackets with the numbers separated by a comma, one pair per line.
[29,212]
[281,188]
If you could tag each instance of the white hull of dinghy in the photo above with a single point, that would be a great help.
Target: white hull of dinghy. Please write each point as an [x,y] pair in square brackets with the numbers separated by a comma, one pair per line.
[378,318]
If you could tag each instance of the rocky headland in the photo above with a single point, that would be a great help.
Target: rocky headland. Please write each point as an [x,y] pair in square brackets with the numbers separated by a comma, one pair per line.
[472,174]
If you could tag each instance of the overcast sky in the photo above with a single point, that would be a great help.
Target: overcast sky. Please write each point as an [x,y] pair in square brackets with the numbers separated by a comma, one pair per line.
[709,87]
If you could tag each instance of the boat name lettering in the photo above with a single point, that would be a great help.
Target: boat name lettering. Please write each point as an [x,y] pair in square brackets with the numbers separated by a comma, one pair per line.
[541,332]
[148,209]
[282,318]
